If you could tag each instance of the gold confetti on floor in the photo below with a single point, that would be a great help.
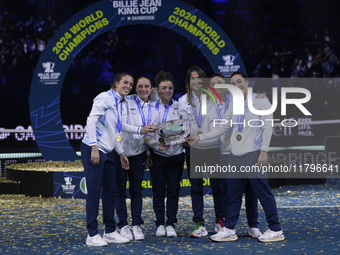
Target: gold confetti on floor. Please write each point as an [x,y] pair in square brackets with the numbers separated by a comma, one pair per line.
[308,214]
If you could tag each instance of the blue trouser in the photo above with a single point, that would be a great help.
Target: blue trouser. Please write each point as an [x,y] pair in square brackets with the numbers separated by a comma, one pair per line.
[260,187]
[100,178]
[166,175]
[199,156]
[250,198]
[136,173]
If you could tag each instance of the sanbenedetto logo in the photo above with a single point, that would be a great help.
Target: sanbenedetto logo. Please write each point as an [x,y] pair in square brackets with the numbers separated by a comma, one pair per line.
[49,77]
[82,185]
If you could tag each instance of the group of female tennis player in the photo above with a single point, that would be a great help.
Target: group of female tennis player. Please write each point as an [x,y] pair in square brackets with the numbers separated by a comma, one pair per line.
[121,140]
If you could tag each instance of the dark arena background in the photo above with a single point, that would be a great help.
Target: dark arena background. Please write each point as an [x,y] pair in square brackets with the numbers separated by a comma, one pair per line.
[274,42]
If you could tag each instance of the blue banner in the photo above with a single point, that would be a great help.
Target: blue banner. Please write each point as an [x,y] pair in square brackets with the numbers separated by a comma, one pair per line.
[95,20]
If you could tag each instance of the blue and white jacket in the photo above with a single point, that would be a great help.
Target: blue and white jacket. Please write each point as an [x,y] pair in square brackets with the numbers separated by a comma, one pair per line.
[173,114]
[102,123]
[133,144]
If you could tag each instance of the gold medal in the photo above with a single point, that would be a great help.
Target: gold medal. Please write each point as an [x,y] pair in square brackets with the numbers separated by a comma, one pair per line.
[239,137]
[146,139]
[161,140]
[118,138]
[199,132]
[225,138]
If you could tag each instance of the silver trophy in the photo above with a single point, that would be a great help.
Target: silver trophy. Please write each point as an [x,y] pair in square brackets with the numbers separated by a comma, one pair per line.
[173,132]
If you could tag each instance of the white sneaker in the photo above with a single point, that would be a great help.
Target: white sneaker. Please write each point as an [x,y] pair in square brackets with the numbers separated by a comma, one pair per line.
[199,231]
[96,240]
[126,232]
[224,235]
[271,236]
[137,233]
[115,237]
[253,232]
[170,231]
[160,231]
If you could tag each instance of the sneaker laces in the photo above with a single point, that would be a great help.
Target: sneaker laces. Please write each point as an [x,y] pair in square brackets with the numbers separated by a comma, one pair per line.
[267,233]
[160,228]
[126,230]
[96,238]
[171,228]
[197,227]
[139,230]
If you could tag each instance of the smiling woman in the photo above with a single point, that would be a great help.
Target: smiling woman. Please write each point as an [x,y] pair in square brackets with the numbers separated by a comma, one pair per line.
[123,84]
[166,161]
[140,114]
[100,158]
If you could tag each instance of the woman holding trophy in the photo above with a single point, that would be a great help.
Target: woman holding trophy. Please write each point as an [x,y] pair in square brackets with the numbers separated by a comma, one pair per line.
[140,113]
[191,107]
[166,162]
[249,147]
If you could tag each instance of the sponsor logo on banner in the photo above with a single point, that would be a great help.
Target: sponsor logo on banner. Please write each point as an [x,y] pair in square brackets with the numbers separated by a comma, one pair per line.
[82,185]
[229,66]
[68,187]
[92,22]
[137,10]
[49,77]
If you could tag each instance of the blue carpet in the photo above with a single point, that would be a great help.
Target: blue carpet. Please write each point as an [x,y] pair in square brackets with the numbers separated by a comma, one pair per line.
[309,215]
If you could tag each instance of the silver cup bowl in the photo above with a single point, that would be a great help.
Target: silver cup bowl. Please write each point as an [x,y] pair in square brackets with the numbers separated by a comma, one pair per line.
[173,131]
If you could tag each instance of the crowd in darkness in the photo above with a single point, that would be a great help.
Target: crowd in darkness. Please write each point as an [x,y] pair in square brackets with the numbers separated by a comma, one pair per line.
[270,46]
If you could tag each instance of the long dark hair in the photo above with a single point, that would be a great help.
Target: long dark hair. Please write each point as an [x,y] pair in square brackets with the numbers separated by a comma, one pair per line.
[191,69]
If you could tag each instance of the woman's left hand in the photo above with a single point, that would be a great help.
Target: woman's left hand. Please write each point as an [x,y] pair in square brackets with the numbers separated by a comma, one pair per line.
[262,159]
[149,161]
[95,157]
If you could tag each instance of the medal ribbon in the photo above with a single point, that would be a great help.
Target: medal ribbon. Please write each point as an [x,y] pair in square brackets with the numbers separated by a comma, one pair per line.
[166,109]
[199,117]
[121,110]
[141,112]
[240,118]
[226,106]
[218,112]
